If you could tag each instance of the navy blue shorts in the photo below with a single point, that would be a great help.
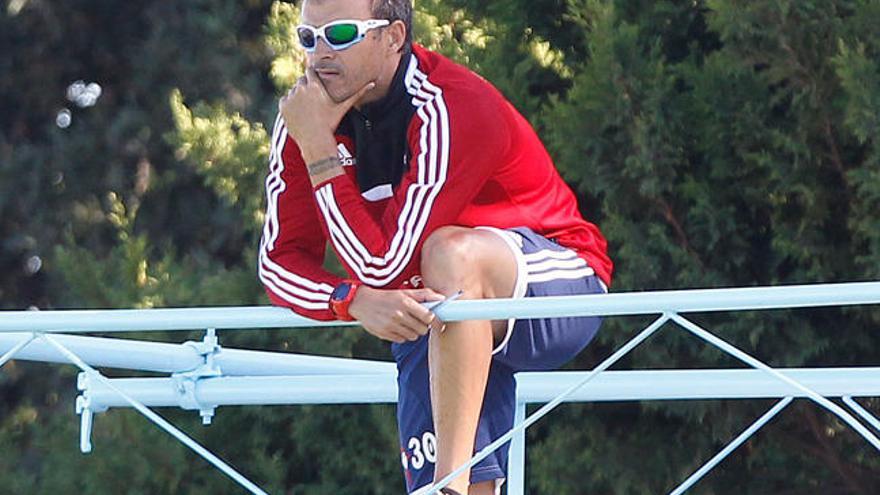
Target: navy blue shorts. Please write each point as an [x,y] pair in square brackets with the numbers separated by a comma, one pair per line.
[545,269]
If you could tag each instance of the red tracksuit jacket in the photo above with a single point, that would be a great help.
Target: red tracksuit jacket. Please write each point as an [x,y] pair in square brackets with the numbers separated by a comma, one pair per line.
[443,148]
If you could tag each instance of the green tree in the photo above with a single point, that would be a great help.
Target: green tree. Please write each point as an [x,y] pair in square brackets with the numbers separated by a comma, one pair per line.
[720,142]
[716,143]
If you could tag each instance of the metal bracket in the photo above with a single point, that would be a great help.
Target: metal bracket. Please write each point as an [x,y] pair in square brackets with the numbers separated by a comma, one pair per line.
[86,412]
[185,383]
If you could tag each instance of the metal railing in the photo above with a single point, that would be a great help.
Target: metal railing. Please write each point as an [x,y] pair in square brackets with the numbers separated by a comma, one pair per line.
[204,375]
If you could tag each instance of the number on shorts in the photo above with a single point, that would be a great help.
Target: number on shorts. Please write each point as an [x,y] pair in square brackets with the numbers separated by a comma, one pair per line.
[423,449]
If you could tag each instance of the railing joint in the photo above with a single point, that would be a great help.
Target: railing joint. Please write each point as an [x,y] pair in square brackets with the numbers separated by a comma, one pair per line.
[186,383]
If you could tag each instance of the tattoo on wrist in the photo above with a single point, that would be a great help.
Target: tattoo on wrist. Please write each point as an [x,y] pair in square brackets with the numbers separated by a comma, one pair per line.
[323,165]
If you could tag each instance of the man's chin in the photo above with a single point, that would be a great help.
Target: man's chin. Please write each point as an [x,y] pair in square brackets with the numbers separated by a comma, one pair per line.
[338,96]
[338,93]
[343,97]
[334,90]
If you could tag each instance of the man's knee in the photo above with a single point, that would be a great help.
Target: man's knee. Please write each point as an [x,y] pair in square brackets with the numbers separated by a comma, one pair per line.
[474,260]
[449,253]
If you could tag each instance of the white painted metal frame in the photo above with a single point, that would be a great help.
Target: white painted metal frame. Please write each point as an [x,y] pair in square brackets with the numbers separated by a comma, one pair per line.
[205,376]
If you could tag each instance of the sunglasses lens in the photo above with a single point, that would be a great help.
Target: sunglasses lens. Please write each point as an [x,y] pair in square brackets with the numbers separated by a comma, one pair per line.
[306,37]
[341,34]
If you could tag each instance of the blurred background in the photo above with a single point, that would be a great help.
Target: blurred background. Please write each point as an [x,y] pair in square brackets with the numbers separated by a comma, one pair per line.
[717,143]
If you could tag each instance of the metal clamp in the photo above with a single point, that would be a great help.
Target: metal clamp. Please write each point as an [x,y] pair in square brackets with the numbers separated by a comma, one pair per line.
[185,383]
[86,411]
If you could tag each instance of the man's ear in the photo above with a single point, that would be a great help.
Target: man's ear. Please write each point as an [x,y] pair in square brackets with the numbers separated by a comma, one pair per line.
[396,35]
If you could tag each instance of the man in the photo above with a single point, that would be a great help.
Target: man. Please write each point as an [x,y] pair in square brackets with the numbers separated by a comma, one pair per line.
[426,181]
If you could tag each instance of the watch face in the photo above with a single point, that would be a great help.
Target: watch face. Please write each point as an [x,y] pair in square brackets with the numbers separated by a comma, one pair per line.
[341,291]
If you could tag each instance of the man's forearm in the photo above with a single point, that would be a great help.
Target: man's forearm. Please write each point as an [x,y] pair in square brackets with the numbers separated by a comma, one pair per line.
[324,169]
[322,161]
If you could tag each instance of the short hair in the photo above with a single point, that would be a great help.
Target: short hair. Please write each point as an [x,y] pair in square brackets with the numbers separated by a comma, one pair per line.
[395,10]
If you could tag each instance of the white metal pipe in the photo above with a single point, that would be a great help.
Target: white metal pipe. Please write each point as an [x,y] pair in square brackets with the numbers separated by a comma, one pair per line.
[707,384]
[110,353]
[615,304]
[240,362]
[380,387]
[159,421]
[175,358]
[134,320]
[546,408]
[861,411]
[609,386]
[755,363]
[742,437]
[516,460]
[17,343]
[676,301]
[258,390]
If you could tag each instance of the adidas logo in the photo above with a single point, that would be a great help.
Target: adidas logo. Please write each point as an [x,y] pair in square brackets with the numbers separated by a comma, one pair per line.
[345,156]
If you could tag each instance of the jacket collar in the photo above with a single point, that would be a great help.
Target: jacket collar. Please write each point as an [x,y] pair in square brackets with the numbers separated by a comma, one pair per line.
[396,93]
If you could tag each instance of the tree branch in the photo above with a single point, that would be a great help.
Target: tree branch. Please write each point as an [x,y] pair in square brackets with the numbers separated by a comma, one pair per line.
[836,159]
[829,453]
[681,236]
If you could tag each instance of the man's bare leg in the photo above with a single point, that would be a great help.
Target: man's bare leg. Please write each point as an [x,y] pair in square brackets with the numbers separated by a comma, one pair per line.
[481,264]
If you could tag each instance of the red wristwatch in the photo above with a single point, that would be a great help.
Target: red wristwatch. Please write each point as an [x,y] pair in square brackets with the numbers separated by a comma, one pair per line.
[340,299]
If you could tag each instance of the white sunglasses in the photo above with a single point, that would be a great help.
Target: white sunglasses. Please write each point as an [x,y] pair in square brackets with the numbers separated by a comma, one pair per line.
[339,35]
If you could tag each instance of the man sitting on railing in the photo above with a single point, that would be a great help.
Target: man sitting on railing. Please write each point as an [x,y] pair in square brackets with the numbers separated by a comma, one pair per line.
[426,181]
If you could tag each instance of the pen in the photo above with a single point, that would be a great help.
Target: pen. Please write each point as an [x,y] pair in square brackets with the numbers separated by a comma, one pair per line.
[442,303]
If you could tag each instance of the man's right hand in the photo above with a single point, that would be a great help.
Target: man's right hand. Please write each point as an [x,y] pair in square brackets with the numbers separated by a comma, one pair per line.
[395,315]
